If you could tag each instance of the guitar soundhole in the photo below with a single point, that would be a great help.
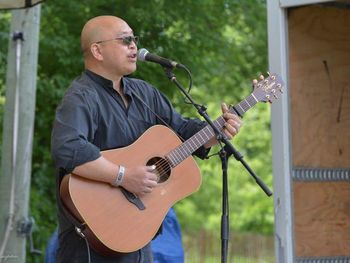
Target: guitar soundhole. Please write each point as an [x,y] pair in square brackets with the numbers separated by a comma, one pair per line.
[163,168]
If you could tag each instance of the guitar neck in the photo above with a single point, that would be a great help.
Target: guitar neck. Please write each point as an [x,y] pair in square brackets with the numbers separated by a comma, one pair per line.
[188,147]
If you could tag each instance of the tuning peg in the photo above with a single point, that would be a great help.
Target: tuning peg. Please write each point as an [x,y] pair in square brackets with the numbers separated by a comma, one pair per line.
[279,87]
[276,97]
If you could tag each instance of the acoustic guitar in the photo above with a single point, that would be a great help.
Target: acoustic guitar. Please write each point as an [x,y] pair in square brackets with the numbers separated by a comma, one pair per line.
[117,221]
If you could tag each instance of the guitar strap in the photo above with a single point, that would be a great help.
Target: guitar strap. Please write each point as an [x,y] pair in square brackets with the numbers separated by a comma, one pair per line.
[70,217]
[157,116]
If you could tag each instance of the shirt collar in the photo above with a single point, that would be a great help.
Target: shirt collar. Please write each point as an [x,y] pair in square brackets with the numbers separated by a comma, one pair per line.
[107,82]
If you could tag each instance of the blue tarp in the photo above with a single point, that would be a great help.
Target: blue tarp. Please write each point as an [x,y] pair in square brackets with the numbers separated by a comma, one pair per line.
[167,247]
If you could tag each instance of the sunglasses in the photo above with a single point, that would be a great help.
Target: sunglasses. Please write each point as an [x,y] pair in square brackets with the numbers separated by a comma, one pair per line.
[127,40]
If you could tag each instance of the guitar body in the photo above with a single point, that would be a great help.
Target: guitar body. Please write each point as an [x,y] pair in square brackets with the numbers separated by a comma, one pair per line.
[113,223]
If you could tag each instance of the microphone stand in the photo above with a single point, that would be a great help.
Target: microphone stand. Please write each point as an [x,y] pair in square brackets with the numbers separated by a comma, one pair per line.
[224,153]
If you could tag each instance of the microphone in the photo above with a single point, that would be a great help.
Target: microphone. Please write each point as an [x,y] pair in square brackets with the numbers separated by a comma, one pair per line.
[144,55]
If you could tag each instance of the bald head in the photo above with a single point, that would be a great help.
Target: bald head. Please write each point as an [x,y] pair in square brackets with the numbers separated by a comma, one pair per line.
[106,52]
[100,28]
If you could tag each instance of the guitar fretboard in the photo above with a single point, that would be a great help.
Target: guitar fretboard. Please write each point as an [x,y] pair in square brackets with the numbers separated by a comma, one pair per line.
[188,147]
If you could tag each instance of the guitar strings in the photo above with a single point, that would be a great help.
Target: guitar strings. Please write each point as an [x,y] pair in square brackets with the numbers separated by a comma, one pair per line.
[162,166]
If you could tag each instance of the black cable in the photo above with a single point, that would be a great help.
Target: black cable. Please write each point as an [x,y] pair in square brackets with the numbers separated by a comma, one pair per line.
[88,250]
[190,85]
[81,234]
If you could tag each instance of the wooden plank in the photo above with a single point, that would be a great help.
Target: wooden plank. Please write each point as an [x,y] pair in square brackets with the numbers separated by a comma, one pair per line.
[319,44]
[322,219]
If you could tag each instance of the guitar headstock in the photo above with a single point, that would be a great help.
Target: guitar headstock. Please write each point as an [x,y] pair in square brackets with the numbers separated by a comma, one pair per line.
[267,89]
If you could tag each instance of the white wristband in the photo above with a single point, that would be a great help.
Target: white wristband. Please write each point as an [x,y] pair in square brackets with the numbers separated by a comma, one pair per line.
[120,176]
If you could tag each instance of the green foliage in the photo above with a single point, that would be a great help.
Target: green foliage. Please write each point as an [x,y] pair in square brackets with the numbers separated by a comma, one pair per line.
[4,23]
[222,42]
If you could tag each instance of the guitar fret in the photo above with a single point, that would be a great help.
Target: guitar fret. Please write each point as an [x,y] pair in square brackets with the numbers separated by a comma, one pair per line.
[242,105]
[243,111]
[205,133]
[181,153]
[177,157]
[189,148]
[219,122]
[246,105]
[177,161]
[252,100]
[186,149]
[256,100]
[247,102]
[192,144]
[171,160]
[238,110]
[198,141]
[203,140]
[201,137]
[210,130]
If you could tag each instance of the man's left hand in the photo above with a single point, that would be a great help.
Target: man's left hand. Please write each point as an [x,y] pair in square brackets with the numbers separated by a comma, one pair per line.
[233,122]
[231,126]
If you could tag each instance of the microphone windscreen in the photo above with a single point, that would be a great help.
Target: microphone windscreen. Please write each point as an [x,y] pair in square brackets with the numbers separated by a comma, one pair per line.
[141,54]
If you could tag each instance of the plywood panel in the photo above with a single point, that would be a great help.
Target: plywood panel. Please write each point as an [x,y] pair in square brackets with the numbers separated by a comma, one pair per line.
[322,219]
[319,44]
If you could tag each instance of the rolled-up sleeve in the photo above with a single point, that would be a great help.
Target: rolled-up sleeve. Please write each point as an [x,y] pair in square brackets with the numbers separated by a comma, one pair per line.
[73,130]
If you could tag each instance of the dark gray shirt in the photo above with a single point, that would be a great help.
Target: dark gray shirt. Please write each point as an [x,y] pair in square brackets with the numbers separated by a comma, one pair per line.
[92,117]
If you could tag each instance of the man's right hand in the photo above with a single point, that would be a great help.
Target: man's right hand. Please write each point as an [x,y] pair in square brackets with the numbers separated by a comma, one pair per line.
[139,180]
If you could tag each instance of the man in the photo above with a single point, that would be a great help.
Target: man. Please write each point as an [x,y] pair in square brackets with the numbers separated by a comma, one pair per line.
[102,110]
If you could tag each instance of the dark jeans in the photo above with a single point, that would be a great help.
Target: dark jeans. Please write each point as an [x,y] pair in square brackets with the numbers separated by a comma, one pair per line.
[73,249]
